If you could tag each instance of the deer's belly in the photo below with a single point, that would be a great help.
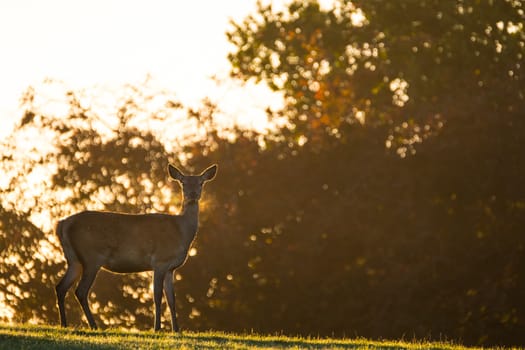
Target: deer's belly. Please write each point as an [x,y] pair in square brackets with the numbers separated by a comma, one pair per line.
[127,263]
[127,268]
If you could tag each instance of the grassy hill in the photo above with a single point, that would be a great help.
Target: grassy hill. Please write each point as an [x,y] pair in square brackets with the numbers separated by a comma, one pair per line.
[48,337]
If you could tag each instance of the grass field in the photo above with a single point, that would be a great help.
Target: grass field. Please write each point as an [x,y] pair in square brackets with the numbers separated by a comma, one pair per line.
[48,337]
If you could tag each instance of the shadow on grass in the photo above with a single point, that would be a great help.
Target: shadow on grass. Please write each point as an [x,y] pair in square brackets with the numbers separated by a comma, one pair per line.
[226,341]
[21,341]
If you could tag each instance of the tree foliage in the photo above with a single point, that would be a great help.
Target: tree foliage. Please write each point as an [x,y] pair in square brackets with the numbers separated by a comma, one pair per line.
[435,234]
[74,162]
[409,65]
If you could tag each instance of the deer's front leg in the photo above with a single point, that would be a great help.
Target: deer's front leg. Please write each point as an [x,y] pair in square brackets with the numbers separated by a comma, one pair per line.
[158,279]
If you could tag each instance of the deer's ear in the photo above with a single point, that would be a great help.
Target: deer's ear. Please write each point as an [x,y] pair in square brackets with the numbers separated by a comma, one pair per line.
[209,173]
[175,173]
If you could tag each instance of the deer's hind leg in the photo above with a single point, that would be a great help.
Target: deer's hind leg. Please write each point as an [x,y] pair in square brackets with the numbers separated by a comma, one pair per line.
[82,292]
[74,269]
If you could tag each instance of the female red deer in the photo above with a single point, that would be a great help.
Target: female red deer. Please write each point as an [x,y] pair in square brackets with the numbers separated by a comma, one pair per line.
[126,243]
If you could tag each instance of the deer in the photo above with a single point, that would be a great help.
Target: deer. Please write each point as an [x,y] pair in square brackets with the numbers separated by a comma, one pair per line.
[130,243]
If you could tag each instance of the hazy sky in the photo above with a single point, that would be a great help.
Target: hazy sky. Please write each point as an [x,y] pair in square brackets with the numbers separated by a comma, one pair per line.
[90,42]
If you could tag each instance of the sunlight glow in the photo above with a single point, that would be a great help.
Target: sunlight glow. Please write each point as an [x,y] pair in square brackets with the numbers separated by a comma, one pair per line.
[6,312]
[399,87]
[358,18]
[182,45]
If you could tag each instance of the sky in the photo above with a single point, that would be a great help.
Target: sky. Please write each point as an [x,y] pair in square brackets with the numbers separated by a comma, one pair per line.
[87,43]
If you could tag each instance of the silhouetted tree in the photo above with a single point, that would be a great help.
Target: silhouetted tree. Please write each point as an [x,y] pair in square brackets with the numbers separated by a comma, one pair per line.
[75,162]
[438,234]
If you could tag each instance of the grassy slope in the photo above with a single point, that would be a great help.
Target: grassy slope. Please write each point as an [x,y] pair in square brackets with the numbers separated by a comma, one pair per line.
[47,337]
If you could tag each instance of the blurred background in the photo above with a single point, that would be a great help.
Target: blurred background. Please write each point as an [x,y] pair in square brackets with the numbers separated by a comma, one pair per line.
[371,160]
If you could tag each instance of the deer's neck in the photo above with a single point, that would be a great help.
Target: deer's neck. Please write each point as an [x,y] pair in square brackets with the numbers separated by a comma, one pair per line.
[189,218]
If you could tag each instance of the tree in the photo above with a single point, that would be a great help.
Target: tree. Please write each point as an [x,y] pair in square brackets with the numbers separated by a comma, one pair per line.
[56,165]
[442,82]
[411,66]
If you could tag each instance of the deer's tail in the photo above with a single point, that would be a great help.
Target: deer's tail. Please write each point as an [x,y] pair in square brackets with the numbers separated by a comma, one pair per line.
[67,247]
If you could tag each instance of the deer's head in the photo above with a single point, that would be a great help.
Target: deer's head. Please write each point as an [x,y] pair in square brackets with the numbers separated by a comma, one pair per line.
[192,184]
